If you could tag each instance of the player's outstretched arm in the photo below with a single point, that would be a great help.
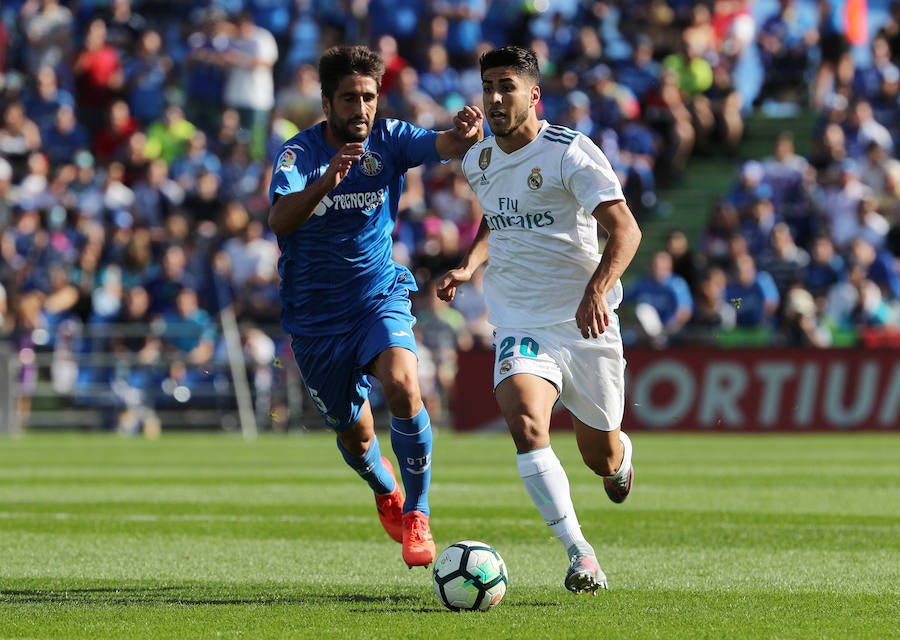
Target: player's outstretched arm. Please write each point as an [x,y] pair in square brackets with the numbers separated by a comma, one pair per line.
[474,258]
[468,128]
[593,315]
[292,210]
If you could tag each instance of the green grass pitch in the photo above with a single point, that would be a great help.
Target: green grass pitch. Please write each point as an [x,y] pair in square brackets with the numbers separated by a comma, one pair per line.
[209,536]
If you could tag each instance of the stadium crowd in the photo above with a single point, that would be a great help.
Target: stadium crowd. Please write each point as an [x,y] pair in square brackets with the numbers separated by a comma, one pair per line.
[137,138]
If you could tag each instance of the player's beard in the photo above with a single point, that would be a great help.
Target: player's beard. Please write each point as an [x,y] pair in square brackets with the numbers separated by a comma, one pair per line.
[343,130]
[516,119]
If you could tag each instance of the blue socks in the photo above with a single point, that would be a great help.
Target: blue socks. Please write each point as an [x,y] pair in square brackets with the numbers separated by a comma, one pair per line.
[411,440]
[369,467]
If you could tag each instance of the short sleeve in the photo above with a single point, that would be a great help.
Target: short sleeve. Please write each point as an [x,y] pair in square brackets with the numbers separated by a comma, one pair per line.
[588,175]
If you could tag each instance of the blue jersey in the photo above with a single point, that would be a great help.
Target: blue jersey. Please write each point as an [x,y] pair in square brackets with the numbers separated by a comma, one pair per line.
[338,265]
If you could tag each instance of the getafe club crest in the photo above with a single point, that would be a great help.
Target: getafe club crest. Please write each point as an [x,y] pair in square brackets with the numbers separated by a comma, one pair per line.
[484,160]
[535,179]
[370,164]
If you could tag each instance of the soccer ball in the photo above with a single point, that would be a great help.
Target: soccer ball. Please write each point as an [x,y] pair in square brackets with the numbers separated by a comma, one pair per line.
[469,576]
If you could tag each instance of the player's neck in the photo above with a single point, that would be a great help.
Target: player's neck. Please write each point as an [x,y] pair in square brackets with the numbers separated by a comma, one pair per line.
[526,132]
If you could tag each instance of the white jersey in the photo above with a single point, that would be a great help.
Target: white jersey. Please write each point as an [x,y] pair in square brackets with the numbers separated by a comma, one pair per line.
[544,244]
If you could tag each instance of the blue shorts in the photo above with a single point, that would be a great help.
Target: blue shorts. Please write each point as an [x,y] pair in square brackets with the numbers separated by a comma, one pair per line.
[333,367]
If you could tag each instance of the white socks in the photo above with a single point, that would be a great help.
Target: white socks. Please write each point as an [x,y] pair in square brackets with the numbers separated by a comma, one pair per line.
[626,455]
[547,484]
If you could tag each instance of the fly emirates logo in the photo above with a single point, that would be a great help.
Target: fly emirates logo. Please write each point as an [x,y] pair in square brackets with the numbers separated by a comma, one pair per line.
[510,218]
[364,201]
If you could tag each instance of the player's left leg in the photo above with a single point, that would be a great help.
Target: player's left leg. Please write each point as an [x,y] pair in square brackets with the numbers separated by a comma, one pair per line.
[361,450]
[608,454]
[594,393]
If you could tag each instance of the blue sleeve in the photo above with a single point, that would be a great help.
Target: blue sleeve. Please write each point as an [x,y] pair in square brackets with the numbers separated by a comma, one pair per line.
[287,176]
[414,145]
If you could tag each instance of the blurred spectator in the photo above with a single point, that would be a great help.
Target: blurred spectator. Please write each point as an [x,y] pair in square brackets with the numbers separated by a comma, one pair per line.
[111,142]
[785,175]
[825,268]
[47,26]
[757,224]
[861,128]
[156,195]
[694,77]
[440,327]
[753,294]
[784,260]
[784,39]
[146,77]
[124,27]
[668,115]
[403,20]
[712,313]
[189,341]
[196,160]
[440,80]
[43,101]
[856,302]
[138,351]
[828,149]
[407,101]
[168,137]
[715,237]
[842,194]
[98,77]
[163,286]
[19,137]
[880,267]
[249,83]
[301,100]
[7,201]
[686,262]
[868,78]
[662,301]
[204,69]
[642,71]
[802,322]
[64,137]
[459,22]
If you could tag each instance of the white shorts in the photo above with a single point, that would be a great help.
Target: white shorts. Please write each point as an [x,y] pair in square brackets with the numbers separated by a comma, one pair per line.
[589,373]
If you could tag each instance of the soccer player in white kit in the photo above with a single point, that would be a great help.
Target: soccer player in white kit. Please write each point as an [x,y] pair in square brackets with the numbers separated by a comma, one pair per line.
[551,294]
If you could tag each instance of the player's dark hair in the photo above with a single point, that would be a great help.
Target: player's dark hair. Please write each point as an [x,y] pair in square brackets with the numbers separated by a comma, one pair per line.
[341,61]
[523,60]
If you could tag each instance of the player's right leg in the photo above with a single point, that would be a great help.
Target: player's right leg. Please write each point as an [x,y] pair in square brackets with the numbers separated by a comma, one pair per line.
[340,394]
[527,401]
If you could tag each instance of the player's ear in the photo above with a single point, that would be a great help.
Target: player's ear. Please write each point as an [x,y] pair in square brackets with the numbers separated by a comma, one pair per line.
[535,95]
[326,106]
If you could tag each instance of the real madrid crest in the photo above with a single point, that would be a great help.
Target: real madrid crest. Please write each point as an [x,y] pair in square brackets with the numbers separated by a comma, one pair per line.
[535,179]
[484,160]
[371,164]
[505,366]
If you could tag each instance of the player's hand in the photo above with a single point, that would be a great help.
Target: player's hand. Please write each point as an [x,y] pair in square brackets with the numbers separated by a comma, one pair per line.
[592,316]
[469,123]
[446,286]
[343,161]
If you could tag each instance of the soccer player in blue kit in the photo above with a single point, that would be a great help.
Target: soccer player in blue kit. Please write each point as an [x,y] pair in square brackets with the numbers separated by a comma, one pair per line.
[345,303]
